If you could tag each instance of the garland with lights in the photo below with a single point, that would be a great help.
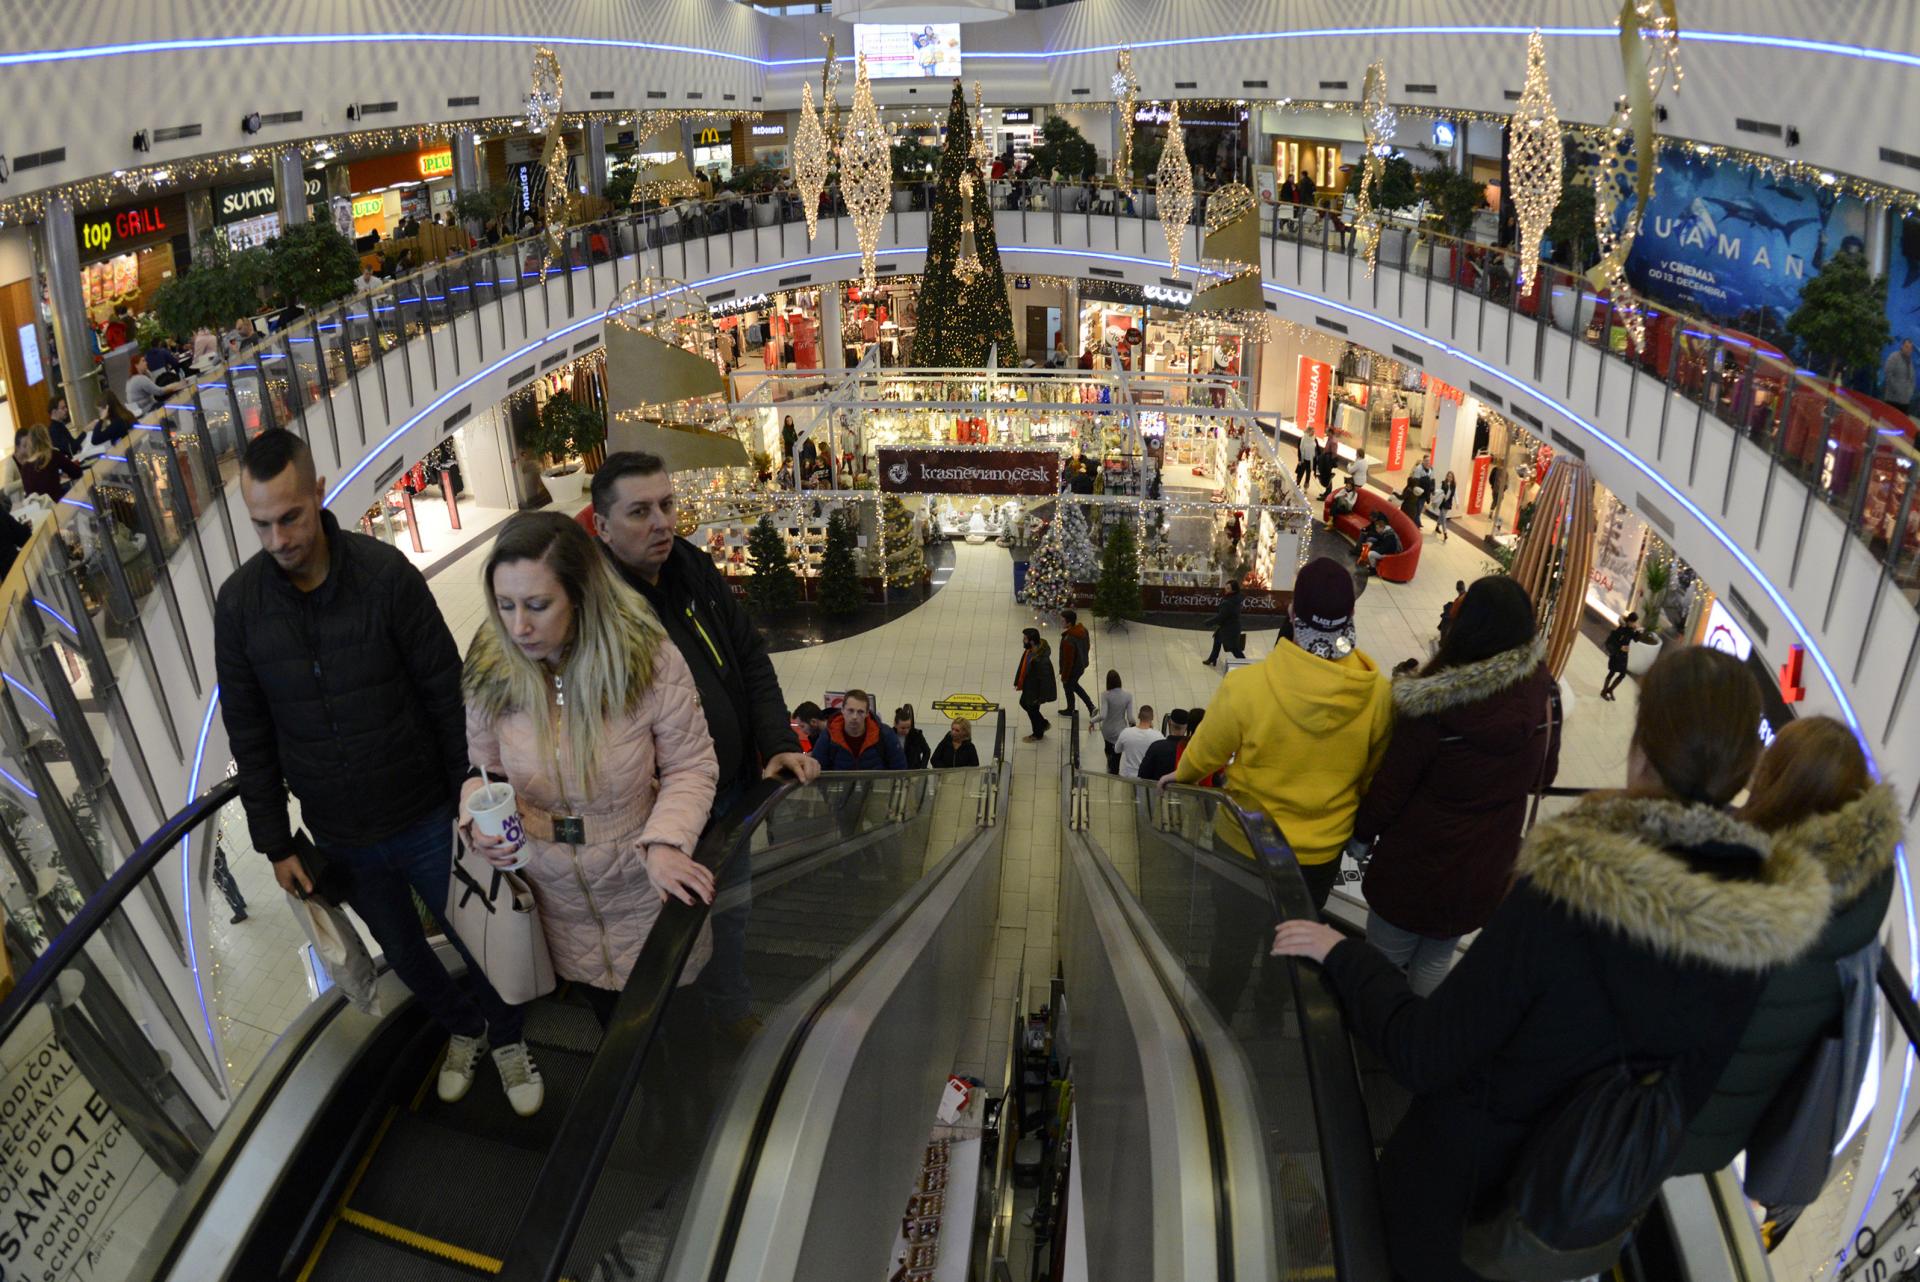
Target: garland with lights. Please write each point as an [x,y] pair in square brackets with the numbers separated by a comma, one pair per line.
[1377,118]
[866,172]
[810,159]
[1126,93]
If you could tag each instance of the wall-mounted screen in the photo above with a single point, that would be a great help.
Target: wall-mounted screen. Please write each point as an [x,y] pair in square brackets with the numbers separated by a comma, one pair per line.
[896,52]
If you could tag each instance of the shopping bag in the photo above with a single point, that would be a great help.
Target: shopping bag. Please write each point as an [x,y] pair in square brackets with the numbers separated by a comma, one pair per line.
[340,949]
[492,911]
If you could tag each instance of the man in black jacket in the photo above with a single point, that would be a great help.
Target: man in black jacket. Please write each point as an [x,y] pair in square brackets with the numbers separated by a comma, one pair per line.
[1162,756]
[340,681]
[1226,627]
[633,515]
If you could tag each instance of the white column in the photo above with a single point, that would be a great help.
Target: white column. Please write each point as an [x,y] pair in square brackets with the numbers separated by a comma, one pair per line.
[60,257]
[835,353]
[1453,445]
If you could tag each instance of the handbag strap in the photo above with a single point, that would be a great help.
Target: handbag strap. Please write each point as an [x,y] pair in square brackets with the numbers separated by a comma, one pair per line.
[1540,781]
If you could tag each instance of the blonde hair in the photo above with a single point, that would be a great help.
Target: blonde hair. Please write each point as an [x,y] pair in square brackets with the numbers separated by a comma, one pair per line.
[34,445]
[609,662]
[966,726]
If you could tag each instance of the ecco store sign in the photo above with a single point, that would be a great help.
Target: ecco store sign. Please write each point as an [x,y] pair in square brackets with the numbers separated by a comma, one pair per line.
[250,200]
[1168,296]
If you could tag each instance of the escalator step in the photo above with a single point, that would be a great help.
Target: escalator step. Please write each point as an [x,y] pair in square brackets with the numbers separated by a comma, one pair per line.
[447,1184]
[354,1255]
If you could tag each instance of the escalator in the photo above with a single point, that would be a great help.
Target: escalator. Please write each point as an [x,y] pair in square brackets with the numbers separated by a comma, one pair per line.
[338,1161]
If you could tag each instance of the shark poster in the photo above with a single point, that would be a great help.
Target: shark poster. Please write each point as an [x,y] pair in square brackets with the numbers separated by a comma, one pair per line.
[1737,245]
[1903,282]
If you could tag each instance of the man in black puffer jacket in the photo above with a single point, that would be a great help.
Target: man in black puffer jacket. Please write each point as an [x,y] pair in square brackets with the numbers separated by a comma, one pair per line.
[340,681]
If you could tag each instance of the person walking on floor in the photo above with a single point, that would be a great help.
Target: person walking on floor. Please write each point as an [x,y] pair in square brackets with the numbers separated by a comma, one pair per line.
[1076,647]
[1443,502]
[1618,645]
[1475,734]
[1134,741]
[576,696]
[1116,714]
[340,683]
[1033,678]
[1324,458]
[1303,470]
[1225,626]
[1641,929]
[633,513]
[1305,730]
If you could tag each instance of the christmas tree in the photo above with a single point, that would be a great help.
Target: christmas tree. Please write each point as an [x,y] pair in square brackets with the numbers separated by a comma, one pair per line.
[906,561]
[1049,576]
[960,317]
[1083,559]
[1117,597]
[840,589]
[774,586]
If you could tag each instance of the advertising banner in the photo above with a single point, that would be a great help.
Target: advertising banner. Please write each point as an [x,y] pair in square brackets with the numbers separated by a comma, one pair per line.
[1205,600]
[1737,245]
[1310,396]
[969,471]
[1477,488]
[1397,443]
[893,52]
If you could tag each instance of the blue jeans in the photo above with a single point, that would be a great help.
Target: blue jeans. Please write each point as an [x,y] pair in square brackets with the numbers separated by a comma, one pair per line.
[419,858]
[723,984]
[1425,960]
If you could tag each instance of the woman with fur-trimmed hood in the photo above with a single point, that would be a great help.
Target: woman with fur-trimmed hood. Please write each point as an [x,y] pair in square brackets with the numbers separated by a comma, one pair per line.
[1475,733]
[1642,928]
[576,697]
[1814,793]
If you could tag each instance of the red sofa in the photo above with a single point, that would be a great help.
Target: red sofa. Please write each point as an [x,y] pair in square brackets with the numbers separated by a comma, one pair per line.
[1397,568]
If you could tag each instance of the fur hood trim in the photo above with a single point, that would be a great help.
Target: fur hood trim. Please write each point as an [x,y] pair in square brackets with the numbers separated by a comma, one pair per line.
[1610,862]
[1418,696]
[486,679]
[1854,846]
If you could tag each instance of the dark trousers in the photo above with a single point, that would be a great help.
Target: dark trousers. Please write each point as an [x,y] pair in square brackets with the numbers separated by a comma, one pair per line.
[723,984]
[229,888]
[1113,759]
[1035,717]
[1615,678]
[1075,688]
[1232,643]
[385,876]
[1302,471]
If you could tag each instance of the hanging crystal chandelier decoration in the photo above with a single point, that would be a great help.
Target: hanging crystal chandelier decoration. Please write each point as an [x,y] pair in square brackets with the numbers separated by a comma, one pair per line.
[1176,189]
[1126,97]
[1536,158]
[1380,121]
[982,149]
[1630,155]
[968,266]
[810,159]
[829,92]
[543,100]
[866,171]
[543,117]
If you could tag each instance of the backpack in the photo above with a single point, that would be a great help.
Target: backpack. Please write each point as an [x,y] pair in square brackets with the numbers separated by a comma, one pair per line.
[1584,1177]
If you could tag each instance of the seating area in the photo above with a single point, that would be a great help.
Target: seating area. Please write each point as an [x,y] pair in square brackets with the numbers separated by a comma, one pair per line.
[1398,568]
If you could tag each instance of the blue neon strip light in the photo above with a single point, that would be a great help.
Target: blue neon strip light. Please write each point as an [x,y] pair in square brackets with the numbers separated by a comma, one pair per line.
[27,690]
[57,617]
[80,503]
[31,795]
[186,876]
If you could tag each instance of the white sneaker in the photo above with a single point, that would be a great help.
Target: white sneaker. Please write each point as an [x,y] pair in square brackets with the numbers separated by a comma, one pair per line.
[525,1091]
[456,1071]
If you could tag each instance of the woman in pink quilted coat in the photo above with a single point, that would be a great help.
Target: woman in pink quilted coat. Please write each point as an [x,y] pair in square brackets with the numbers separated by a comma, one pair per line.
[578,699]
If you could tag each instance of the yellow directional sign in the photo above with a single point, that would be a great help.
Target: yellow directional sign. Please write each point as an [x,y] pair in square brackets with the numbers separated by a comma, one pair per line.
[971,707]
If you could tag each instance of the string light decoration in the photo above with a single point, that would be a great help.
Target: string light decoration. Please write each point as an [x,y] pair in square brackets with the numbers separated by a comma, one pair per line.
[1537,157]
[810,158]
[543,117]
[1379,120]
[549,85]
[866,171]
[1126,94]
[967,267]
[1176,189]
[982,151]
[829,91]
[1629,152]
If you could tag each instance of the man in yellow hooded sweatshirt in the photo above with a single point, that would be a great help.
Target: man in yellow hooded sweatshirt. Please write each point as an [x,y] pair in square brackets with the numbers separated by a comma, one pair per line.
[1301,734]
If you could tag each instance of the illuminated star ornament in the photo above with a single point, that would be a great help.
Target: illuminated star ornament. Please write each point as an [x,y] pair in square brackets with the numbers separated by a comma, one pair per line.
[1536,158]
[1176,188]
[1126,96]
[866,171]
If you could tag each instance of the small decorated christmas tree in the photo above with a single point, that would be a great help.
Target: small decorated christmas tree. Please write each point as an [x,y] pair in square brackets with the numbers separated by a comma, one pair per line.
[1117,598]
[774,586]
[840,588]
[1083,559]
[1049,576]
[906,561]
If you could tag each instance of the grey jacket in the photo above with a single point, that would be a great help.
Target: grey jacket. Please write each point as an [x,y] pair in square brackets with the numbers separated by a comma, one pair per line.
[1896,379]
[1116,713]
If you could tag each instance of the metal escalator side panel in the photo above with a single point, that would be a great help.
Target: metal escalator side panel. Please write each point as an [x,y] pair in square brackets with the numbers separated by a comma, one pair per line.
[850,1104]
[1254,1249]
[1140,1112]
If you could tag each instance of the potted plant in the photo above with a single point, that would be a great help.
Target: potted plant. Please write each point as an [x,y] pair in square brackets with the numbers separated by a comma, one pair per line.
[1453,197]
[1655,577]
[564,429]
[1146,164]
[1395,189]
[1842,318]
[1063,152]
[1575,248]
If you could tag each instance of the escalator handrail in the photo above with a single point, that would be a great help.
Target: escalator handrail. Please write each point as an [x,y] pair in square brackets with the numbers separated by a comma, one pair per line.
[558,1200]
[1893,987]
[100,907]
[1000,734]
[1355,1216]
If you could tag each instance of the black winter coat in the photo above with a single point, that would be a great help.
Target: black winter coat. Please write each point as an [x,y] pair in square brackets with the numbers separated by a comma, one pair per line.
[739,690]
[1037,685]
[947,757]
[349,695]
[1640,927]
[1226,617]
[1856,847]
[915,748]
[1470,744]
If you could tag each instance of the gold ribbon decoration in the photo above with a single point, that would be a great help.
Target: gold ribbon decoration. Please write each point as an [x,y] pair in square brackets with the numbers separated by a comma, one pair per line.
[1630,156]
[1378,119]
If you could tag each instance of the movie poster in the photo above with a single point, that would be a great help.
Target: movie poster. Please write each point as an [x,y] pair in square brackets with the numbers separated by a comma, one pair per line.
[1903,283]
[1737,245]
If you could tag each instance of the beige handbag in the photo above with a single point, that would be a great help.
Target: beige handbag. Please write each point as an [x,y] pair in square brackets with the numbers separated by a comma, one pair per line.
[493,912]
